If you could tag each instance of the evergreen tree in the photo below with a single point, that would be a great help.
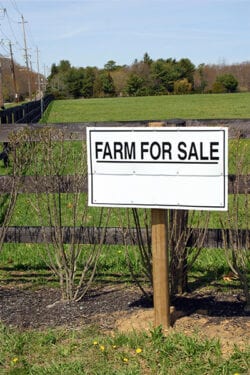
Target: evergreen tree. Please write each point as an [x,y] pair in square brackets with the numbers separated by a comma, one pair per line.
[228,81]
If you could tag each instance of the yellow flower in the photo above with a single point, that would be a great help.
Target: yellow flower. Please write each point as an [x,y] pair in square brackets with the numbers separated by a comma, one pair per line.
[14,360]
[114,346]
[95,343]
[102,348]
[125,359]
[138,350]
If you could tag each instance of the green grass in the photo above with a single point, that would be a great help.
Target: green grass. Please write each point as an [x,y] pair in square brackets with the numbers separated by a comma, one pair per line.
[207,106]
[88,351]
[27,264]
[25,214]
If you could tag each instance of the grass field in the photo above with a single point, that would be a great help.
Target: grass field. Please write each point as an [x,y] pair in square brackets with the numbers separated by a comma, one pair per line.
[207,106]
[89,350]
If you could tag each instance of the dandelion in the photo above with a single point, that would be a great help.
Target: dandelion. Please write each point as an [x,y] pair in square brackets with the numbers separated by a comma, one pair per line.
[102,348]
[15,360]
[114,346]
[138,350]
[125,359]
[95,343]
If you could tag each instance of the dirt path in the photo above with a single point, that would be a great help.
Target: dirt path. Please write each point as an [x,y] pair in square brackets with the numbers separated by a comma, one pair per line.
[230,331]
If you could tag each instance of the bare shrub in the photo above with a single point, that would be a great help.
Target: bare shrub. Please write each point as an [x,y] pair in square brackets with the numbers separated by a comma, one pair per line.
[140,220]
[184,227]
[72,262]
[235,223]
[186,238]
[7,205]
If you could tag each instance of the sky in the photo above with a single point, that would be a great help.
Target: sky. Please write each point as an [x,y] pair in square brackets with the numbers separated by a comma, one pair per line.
[92,32]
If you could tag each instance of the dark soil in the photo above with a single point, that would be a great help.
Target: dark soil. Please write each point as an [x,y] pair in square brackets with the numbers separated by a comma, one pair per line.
[26,308]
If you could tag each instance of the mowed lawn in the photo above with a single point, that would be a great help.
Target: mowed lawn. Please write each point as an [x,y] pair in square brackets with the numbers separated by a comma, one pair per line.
[204,106]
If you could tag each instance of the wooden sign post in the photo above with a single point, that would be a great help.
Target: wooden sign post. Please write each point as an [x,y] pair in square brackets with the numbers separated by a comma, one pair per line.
[159,234]
[160,255]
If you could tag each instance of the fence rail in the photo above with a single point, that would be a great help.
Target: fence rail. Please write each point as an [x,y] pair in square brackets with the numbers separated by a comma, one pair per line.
[213,238]
[69,184]
[26,113]
[77,131]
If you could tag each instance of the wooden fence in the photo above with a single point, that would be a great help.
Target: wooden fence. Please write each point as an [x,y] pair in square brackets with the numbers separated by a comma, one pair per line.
[26,113]
[68,184]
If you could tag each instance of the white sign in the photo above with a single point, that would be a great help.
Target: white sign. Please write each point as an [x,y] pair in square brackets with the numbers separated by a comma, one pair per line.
[181,167]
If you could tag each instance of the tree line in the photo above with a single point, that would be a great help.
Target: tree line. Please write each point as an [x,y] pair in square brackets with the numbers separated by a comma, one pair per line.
[142,77]
[146,77]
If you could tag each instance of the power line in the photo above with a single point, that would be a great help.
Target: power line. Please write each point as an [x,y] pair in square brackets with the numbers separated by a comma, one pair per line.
[13,73]
[28,31]
[2,44]
[4,34]
[15,6]
[11,28]
[10,32]
[31,36]
[4,29]
[12,37]
[2,13]
[1,87]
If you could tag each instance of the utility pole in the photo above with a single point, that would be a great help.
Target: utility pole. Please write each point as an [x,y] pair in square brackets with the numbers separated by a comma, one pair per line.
[38,71]
[45,73]
[39,86]
[26,57]
[12,67]
[1,81]
[3,11]
[1,87]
